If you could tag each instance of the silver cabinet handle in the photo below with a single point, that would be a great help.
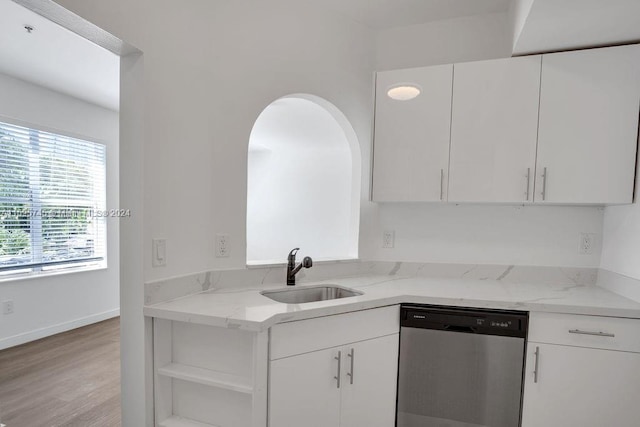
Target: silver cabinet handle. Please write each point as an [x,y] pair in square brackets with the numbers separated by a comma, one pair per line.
[597,334]
[441,184]
[535,367]
[339,359]
[544,184]
[528,183]
[351,356]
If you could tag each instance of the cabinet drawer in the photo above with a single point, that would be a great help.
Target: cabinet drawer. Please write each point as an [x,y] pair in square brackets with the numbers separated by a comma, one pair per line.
[609,333]
[288,339]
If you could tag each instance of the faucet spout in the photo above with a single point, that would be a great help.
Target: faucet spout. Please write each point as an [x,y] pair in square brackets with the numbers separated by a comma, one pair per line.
[293,269]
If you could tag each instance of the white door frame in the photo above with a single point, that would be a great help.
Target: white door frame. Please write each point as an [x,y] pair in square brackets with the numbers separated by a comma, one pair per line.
[135,332]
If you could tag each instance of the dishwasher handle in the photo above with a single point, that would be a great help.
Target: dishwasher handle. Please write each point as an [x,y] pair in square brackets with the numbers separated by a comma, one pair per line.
[457,328]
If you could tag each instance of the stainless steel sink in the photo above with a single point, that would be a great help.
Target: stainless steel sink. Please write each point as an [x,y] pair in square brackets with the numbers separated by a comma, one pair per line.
[305,294]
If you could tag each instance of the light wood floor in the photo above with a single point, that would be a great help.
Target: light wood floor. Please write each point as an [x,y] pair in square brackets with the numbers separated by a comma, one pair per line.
[70,379]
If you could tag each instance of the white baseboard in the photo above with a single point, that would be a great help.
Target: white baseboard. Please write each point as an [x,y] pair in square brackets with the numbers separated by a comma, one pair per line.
[56,329]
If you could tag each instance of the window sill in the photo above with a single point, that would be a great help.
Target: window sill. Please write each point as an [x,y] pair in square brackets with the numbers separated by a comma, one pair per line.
[49,273]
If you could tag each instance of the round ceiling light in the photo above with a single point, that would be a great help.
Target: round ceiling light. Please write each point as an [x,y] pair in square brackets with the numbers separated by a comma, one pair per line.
[403,92]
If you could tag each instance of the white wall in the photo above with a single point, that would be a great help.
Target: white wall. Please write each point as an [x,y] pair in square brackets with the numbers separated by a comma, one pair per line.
[300,184]
[47,305]
[518,14]
[573,24]
[208,76]
[442,42]
[483,234]
[210,68]
[621,243]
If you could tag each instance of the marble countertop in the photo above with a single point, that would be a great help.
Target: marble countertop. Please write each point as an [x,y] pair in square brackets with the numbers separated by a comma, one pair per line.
[247,309]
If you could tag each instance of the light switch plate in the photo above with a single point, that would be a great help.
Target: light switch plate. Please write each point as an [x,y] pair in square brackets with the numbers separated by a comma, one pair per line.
[159,254]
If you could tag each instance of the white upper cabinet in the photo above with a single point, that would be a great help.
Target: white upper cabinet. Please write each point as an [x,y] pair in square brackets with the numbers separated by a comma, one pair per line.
[494,130]
[560,128]
[587,139]
[411,154]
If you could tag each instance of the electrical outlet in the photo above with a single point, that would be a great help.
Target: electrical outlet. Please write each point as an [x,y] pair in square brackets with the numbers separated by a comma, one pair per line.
[222,246]
[7,307]
[159,255]
[587,242]
[388,239]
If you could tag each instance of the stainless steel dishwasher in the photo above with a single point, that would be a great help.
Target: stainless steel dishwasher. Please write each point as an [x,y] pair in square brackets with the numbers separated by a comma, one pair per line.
[460,367]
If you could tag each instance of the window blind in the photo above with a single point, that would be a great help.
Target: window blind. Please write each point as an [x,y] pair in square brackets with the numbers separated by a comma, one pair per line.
[52,200]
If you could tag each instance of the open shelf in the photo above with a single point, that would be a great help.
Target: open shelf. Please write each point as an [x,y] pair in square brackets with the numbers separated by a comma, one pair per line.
[207,377]
[176,421]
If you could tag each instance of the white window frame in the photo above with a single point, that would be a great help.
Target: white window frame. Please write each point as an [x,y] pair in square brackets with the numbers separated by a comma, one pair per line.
[39,268]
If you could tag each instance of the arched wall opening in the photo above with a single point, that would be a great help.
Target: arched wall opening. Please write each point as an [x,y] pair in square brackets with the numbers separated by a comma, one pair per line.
[303,187]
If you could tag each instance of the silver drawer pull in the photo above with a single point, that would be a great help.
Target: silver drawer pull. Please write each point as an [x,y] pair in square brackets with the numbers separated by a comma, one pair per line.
[544,185]
[597,334]
[351,355]
[339,359]
[535,368]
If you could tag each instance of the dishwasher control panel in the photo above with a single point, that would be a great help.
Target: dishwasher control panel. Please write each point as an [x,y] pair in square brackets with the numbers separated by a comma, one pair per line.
[478,321]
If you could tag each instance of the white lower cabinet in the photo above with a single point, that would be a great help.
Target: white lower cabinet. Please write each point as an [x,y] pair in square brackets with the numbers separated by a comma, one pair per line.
[348,385]
[571,386]
[327,371]
[369,393]
[582,387]
[341,371]
[303,390]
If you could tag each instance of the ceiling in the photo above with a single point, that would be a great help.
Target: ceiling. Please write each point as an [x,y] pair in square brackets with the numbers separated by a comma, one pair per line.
[385,14]
[569,24]
[58,59]
[54,57]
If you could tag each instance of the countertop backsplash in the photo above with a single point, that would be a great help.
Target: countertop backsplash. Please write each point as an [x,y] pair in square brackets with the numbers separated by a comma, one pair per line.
[168,289]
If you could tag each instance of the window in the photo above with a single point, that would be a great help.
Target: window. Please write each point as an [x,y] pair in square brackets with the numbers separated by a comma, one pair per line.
[303,182]
[52,201]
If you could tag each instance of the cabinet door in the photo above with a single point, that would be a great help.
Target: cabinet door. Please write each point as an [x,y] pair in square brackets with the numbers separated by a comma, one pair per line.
[303,390]
[494,130]
[588,129]
[581,387]
[411,147]
[369,390]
